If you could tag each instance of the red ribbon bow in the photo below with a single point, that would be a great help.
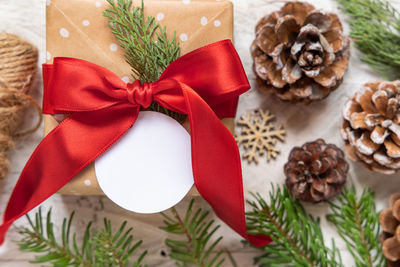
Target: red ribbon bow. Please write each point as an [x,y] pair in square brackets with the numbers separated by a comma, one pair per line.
[103,108]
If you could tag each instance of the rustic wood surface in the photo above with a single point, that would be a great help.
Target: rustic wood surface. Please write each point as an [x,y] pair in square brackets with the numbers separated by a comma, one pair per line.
[303,123]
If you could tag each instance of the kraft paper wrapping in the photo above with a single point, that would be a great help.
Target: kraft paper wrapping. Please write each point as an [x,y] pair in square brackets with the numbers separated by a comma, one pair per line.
[77,28]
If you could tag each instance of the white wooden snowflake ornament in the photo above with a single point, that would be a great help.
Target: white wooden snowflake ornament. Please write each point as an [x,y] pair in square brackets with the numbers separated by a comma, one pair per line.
[259,135]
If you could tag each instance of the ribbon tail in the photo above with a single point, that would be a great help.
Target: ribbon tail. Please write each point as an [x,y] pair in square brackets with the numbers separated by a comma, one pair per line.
[217,166]
[63,153]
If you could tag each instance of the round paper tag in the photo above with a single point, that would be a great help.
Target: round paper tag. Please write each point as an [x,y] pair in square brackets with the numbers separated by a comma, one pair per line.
[149,169]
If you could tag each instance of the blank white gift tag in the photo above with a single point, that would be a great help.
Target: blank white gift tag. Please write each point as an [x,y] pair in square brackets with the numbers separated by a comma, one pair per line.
[149,169]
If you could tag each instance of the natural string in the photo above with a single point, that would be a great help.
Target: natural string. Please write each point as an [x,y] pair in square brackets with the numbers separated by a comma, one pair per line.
[18,68]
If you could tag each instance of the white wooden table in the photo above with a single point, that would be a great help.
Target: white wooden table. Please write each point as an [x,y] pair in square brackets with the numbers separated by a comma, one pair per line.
[303,123]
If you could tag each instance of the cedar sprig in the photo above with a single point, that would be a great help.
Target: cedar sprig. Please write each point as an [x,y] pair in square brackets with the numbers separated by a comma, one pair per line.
[193,245]
[297,236]
[98,248]
[357,222]
[375,29]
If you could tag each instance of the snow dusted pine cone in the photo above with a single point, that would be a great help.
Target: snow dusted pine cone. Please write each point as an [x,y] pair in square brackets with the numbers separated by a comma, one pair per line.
[316,171]
[390,222]
[371,126]
[300,53]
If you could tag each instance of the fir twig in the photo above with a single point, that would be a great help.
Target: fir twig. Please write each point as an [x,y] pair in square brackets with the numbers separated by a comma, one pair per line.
[147,48]
[231,259]
[375,29]
[101,248]
[194,246]
[356,220]
[297,237]
[115,249]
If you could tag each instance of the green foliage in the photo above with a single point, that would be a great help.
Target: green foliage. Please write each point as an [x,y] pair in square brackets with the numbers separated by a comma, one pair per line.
[193,245]
[357,222]
[375,29]
[98,248]
[297,237]
[147,48]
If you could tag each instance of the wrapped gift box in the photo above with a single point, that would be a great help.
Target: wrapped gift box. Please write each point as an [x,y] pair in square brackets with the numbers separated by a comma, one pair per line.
[77,28]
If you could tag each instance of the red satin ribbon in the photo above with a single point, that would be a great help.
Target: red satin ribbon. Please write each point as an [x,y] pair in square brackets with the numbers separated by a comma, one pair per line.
[204,84]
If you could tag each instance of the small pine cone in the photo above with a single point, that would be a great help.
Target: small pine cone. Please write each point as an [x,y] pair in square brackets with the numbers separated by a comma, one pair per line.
[316,171]
[389,220]
[371,126]
[300,54]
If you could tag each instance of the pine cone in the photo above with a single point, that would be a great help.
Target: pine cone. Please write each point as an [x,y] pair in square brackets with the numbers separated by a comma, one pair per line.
[371,126]
[316,171]
[300,53]
[390,222]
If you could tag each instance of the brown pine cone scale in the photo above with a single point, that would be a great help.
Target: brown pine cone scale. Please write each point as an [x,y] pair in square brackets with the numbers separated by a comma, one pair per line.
[389,220]
[300,53]
[316,171]
[371,126]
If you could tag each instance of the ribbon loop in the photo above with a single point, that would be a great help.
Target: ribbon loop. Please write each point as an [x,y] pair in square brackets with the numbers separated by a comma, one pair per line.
[203,84]
[140,94]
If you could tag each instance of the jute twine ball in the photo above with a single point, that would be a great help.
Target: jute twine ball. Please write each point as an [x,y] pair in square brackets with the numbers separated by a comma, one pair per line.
[18,67]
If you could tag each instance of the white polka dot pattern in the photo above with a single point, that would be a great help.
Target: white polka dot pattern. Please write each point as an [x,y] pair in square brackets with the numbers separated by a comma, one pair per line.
[125,79]
[184,33]
[203,21]
[183,37]
[85,22]
[113,47]
[87,182]
[160,16]
[64,32]
[217,23]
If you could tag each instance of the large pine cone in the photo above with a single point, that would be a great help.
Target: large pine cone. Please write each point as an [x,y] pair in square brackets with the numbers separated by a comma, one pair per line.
[390,222]
[300,53]
[316,171]
[371,126]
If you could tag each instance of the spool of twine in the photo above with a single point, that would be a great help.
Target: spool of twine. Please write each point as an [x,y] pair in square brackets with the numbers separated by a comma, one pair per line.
[18,67]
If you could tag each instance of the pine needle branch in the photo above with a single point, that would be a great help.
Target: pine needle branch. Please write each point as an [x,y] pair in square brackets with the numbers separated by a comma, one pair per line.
[375,29]
[147,48]
[297,237]
[193,246]
[356,220]
[98,248]
[115,249]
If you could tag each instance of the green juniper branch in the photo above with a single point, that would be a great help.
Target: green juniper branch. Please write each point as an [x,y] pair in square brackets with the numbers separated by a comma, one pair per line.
[297,237]
[193,246]
[147,48]
[356,221]
[375,29]
[99,248]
